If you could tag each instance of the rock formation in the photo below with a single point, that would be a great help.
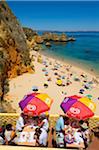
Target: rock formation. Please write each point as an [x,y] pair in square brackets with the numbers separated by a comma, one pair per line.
[48,44]
[38,39]
[55,37]
[14,54]
[30,33]
[47,36]
[63,37]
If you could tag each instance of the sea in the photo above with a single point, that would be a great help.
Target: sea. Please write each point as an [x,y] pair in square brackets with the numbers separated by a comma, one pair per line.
[65,16]
[84,52]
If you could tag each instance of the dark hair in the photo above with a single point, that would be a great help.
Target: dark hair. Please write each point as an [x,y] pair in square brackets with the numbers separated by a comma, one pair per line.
[65,118]
[81,121]
[9,127]
[83,130]
[67,122]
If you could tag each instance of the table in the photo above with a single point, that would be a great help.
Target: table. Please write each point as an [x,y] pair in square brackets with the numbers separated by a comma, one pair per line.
[74,145]
[26,137]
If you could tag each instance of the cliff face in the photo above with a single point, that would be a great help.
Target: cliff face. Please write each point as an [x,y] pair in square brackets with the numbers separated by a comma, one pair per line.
[14,54]
[30,33]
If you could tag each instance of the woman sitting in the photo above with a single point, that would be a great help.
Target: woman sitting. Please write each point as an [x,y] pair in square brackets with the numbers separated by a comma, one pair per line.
[10,135]
[20,123]
[78,137]
[85,132]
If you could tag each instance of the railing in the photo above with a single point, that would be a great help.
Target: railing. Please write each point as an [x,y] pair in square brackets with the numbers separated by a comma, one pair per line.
[12,117]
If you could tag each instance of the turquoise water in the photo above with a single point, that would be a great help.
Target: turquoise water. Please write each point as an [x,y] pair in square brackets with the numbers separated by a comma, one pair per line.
[84,51]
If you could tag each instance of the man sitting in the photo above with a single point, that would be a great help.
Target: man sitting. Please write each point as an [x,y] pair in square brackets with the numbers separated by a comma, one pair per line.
[60,127]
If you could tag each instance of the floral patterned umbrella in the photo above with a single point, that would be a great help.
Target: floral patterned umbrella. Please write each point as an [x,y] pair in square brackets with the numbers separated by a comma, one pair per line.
[35,103]
[78,107]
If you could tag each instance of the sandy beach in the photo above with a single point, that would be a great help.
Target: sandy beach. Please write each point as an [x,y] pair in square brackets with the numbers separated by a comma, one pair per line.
[73,79]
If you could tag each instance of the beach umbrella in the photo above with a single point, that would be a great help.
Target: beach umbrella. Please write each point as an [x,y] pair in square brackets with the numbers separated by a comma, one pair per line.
[35,103]
[35,88]
[63,77]
[89,96]
[46,73]
[75,97]
[87,86]
[77,107]
[76,79]
[59,82]
[81,91]
[44,69]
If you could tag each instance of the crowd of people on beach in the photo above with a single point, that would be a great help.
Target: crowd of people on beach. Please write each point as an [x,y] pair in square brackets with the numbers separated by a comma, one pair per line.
[65,75]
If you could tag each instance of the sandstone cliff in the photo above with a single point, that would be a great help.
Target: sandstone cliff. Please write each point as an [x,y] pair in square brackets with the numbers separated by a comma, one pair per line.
[14,53]
[30,33]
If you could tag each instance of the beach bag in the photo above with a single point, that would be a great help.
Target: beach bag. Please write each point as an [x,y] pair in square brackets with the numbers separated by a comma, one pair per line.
[60,139]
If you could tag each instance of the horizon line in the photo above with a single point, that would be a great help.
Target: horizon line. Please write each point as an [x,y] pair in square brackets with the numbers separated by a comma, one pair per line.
[52,30]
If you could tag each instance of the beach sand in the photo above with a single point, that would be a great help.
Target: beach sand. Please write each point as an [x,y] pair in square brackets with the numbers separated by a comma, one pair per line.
[23,84]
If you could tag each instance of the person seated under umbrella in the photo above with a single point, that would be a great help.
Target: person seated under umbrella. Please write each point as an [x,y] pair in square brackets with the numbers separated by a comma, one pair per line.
[60,128]
[10,135]
[41,131]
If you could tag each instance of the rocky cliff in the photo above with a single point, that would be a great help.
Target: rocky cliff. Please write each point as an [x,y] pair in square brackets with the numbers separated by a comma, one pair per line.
[14,54]
[30,33]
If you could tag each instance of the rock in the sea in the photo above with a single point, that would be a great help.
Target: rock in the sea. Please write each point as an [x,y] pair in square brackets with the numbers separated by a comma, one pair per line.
[47,36]
[63,37]
[48,44]
[55,37]
[71,39]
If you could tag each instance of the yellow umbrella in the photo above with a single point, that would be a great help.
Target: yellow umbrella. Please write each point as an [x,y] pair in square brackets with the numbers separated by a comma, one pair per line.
[59,82]
[89,103]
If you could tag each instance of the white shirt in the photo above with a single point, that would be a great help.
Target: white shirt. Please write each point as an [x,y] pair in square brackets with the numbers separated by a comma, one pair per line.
[19,124]
[8,135]
[45,125]
[78,137]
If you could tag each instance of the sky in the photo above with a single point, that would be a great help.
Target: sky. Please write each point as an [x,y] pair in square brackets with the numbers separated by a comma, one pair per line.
[60,16]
